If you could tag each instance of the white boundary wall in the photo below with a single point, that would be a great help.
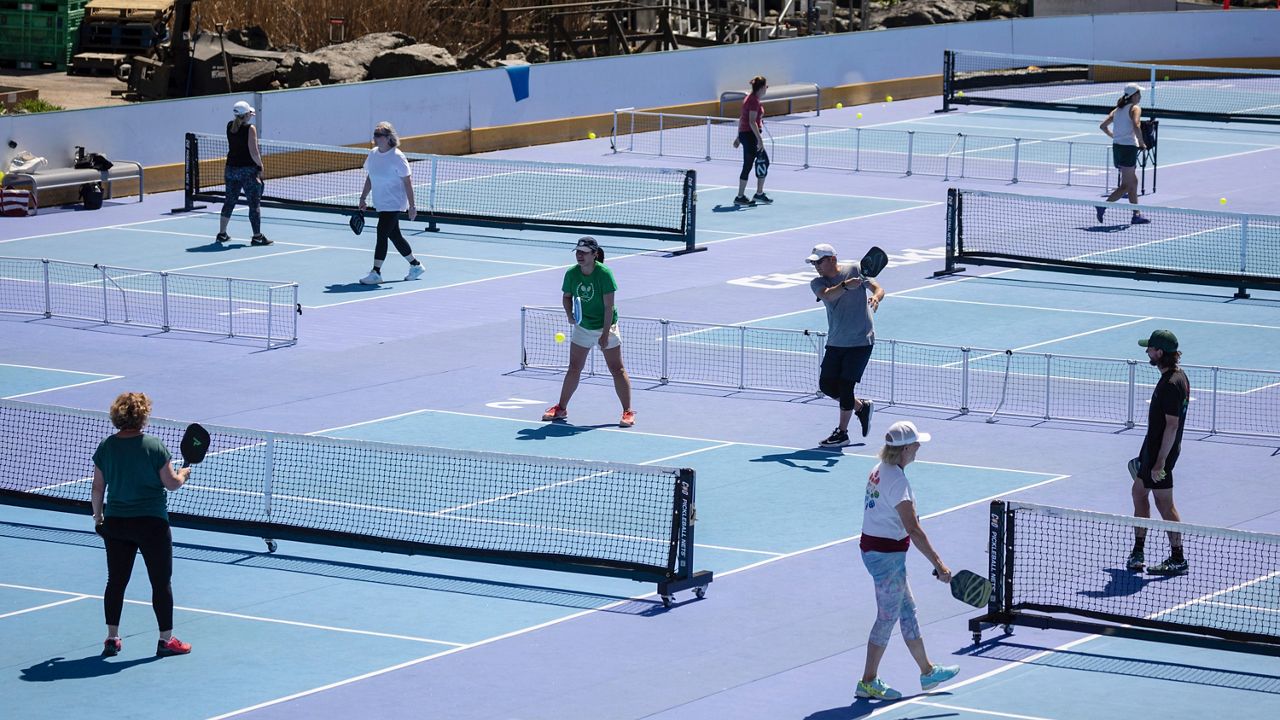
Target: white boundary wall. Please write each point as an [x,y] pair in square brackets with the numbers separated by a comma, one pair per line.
[152,133]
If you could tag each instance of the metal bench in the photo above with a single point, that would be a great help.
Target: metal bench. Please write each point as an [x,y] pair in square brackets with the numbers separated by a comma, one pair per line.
[72,177]
[788,92]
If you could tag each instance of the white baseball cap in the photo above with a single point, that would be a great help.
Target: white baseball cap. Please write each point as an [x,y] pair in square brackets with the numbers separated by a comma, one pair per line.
[1131,89]
[241,109]
[904,432]
[820,251]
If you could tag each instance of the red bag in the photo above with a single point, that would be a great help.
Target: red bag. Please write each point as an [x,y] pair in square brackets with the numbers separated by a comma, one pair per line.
[17,203]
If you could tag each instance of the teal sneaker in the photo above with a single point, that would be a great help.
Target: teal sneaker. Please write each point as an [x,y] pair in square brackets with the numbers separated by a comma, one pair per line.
[877,689]
[937,675]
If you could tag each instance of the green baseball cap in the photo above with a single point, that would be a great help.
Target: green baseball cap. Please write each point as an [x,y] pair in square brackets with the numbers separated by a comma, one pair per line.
[1161,340]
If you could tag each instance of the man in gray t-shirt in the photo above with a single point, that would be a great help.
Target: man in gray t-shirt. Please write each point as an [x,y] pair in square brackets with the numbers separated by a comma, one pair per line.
[850,300]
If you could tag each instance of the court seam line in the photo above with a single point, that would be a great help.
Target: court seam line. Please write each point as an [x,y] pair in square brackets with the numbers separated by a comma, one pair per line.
[238,616]
[312,246]
[995,713]
[556,621]
[78,597]
[91,229]
[1049,341]
[63,387]
[725,443]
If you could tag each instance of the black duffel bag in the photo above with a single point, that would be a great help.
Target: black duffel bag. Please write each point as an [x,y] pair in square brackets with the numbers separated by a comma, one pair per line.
[91,194]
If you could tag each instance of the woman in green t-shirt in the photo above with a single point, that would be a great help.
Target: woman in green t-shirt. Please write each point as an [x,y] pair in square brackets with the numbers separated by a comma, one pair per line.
[590,285]
[131,473]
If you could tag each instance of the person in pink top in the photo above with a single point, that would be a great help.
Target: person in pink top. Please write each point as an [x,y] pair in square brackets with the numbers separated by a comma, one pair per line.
[750,125]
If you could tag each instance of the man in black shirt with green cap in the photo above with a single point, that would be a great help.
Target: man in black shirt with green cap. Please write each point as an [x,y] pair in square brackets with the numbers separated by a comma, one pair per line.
[1152,470]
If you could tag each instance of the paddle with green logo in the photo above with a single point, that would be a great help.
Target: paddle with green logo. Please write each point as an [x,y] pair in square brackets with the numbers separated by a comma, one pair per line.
[195,443]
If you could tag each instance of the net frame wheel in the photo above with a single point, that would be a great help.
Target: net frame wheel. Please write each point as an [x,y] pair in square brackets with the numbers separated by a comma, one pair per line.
[977,638]
[667,601]
[700,592]
[271,544]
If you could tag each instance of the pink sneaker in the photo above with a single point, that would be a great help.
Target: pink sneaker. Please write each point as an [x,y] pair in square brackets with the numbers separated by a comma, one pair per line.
[172,646]
[555,412]
[111,647]
[628,418]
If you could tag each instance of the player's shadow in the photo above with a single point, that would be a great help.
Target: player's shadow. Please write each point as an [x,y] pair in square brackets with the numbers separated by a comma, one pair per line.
[557,429]
[1105,228]
[354,287]
[863,707]
[214,247]
[731,208]
[814,460]
[85,667]
[1123,583]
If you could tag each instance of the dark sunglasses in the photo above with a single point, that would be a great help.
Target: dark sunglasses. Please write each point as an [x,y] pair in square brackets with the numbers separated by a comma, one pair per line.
[382,134]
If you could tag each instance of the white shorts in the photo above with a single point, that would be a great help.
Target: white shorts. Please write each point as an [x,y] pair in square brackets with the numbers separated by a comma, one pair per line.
[583,337]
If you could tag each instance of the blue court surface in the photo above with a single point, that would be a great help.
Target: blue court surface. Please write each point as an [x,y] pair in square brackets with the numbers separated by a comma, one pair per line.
[315,630]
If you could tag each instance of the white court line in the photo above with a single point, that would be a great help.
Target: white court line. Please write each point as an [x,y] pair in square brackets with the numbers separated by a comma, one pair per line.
[95,229]
[237,616]
[610,606]
[1251,608]
[99,378]
[1053,340]
[78,597]
[1015,716]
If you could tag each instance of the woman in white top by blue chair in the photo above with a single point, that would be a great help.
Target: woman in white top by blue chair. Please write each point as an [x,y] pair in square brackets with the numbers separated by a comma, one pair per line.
[391,181]
[1126,141]
[889,525]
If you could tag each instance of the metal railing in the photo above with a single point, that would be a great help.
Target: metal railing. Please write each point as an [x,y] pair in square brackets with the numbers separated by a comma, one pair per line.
[1042,386]
[232,307]
[904,152]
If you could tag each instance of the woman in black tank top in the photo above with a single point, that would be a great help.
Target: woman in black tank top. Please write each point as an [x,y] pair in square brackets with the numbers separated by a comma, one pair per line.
[243,173]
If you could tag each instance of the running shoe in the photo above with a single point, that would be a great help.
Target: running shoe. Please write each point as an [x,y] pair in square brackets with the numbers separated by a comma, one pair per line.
[223,238]
[555,412]
[373,278]
[1138,219]
[1169,567]
[743,200]
[259,239]
[837,438]
[937,675]
[761,198]
[172,646]
[864,416]
[415,272]
[1136,562]
[1102,211]
[628,418]
[876,689]
[111,647]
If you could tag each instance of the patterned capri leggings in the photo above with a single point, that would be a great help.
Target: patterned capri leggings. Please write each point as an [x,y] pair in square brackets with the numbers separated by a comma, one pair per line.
[243,179]
[894,603]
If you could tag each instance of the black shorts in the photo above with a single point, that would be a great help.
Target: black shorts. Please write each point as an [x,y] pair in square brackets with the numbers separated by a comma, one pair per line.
[1144,472]
[845,363]
[1124,156]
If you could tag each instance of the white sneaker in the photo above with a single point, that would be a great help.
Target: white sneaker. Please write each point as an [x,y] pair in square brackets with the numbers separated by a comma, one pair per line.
[415,272]
[372,278]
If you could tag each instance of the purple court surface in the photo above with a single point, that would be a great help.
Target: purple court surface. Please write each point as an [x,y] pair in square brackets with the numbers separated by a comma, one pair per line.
[316,631]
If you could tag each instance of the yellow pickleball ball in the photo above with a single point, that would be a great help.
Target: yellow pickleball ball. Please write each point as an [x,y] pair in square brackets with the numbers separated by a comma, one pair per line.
[859,116]
[591,136]
[559,337]
[960,93]
[1222,201]
[839,105]
[888,98]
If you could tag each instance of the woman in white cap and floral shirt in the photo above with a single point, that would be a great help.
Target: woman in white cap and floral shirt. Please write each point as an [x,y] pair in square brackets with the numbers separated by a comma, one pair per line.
[1126,141]
[243,173]
[889,524]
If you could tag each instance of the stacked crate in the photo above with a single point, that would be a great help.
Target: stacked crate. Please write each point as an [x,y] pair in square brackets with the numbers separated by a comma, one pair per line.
[38,33]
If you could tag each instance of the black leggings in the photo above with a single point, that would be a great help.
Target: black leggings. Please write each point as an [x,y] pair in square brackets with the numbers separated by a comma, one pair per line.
[389,229]
[124,537]
[749,149]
